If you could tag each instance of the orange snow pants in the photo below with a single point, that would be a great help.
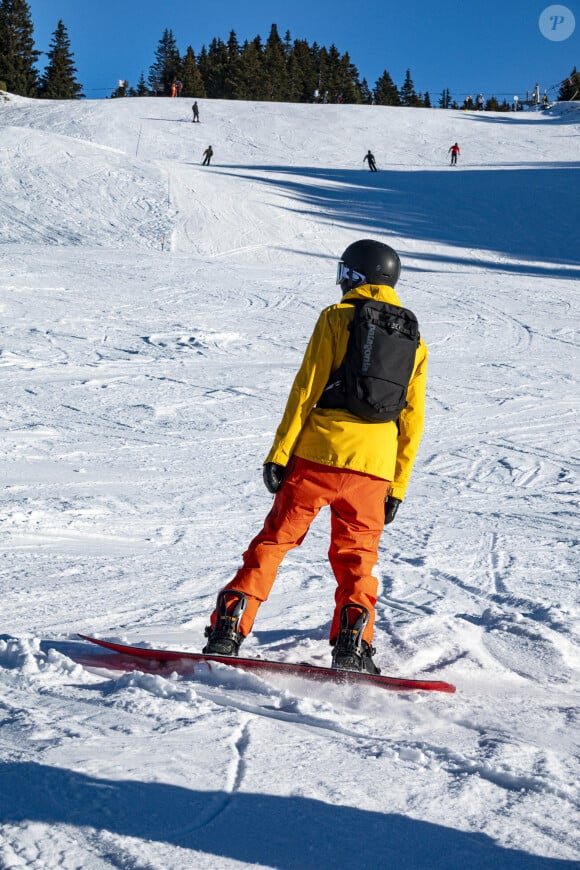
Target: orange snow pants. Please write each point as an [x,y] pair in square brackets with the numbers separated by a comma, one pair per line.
[356,502]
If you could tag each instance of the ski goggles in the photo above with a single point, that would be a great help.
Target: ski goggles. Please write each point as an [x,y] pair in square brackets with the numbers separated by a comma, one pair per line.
[345,272]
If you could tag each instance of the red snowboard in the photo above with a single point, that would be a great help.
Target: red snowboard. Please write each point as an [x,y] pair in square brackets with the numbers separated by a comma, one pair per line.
[158,659]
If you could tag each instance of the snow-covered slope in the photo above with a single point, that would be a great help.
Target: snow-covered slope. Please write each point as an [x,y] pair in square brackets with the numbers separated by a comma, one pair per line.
[153,314]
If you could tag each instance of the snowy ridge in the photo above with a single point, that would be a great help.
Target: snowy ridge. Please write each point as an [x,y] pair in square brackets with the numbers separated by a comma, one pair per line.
[153,316]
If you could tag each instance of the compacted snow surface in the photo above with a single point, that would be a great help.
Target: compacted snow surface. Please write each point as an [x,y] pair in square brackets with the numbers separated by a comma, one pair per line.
[153,315]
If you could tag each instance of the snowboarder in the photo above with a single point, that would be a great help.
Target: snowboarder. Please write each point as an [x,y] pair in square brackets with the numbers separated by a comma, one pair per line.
[370,157]
[330,457]
[455,150]
[207,155]
[195,110]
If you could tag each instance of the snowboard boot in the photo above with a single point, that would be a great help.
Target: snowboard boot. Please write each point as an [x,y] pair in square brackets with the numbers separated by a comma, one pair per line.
[351,652]
[224,638]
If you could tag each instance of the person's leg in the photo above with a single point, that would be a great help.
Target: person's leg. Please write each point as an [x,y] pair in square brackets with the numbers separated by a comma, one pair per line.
[357,521]
[295,506]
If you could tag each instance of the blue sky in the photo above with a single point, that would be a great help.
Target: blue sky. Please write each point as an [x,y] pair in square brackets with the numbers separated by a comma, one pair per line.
[468,46]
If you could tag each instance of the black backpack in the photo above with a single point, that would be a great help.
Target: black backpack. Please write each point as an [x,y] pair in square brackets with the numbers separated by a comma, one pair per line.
[372,380]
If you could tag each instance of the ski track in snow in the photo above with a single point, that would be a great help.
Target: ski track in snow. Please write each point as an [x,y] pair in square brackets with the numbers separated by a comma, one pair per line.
[154,313]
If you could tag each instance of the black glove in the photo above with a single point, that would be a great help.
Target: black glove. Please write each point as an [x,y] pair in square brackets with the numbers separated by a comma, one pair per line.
[273,476]
[391,508]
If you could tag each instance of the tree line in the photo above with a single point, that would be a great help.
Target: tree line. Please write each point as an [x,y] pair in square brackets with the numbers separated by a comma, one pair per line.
[281,70]
[286,70]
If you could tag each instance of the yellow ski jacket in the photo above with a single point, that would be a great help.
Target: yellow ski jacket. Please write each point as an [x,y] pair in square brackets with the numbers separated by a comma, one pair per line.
[333,436]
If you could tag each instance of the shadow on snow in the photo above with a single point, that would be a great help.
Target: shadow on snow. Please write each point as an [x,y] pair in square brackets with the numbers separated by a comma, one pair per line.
[570,116]
[504,211]
[290,832]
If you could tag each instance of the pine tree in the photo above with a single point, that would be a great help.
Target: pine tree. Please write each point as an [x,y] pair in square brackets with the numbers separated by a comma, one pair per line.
[217,69]
[445,99]
[17,52]
[254,82]
[427,100]
[295,78]
[191,79]
[331,76]
[142,89]
[569,88]
[321,60]
[58,81]
[167,66]
[346,84]
[275,66]
[341,77]
[408,94]
[203,65]
[365,93]
[302,73]
[386,93]
[234,81]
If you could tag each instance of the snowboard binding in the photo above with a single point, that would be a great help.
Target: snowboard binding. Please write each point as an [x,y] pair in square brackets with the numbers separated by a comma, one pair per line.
[225,638]
[351,652]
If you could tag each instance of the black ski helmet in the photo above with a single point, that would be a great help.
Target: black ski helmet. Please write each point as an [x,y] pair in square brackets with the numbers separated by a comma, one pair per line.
[368,262]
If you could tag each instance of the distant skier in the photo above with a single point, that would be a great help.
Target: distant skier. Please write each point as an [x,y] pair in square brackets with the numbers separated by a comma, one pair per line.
[195,110]
[370,157]
[479,103]
[207,155]
[455,150]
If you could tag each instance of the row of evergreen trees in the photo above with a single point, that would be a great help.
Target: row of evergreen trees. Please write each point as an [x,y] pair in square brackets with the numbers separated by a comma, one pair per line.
[278,69]
[283,70]
[287,71]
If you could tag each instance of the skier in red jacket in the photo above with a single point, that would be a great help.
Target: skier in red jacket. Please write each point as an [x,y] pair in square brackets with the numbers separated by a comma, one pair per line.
[455,150]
